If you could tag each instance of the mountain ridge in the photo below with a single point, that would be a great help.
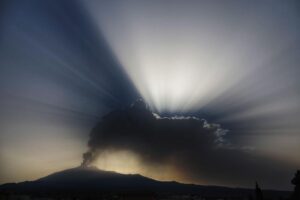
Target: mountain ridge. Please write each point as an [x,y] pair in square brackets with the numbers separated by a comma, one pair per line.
[86,180]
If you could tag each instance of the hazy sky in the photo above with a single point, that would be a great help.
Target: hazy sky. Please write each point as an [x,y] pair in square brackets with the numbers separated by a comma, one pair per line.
[65,64]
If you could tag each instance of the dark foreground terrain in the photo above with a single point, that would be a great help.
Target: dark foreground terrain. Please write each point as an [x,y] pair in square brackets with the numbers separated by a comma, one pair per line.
[91,183]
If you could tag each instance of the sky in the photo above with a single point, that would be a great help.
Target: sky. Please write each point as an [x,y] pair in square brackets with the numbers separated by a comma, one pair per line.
[225,73]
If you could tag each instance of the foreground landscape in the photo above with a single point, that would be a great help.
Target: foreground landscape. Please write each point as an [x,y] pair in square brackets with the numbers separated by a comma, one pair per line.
[92,183]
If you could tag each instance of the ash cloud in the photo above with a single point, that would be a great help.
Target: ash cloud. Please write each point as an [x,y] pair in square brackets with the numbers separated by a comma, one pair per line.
[198,149]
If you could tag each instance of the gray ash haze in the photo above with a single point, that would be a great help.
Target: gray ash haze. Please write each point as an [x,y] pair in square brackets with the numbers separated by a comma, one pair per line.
[219,83]
[196,149]
[138,129]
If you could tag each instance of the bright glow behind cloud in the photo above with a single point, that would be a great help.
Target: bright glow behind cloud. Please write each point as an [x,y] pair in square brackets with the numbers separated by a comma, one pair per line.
[181,56]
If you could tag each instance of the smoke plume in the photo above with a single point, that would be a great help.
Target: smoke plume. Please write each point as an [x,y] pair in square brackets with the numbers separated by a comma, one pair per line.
[197,149]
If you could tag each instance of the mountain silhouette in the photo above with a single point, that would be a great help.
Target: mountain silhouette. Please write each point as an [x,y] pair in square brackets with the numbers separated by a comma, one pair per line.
[90,180]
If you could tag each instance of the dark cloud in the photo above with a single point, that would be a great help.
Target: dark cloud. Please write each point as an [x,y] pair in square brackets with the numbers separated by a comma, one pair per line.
[138,129]
[198,149]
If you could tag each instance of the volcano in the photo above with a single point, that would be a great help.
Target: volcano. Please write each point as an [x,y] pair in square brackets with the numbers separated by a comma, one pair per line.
[91,179]
[95,182]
